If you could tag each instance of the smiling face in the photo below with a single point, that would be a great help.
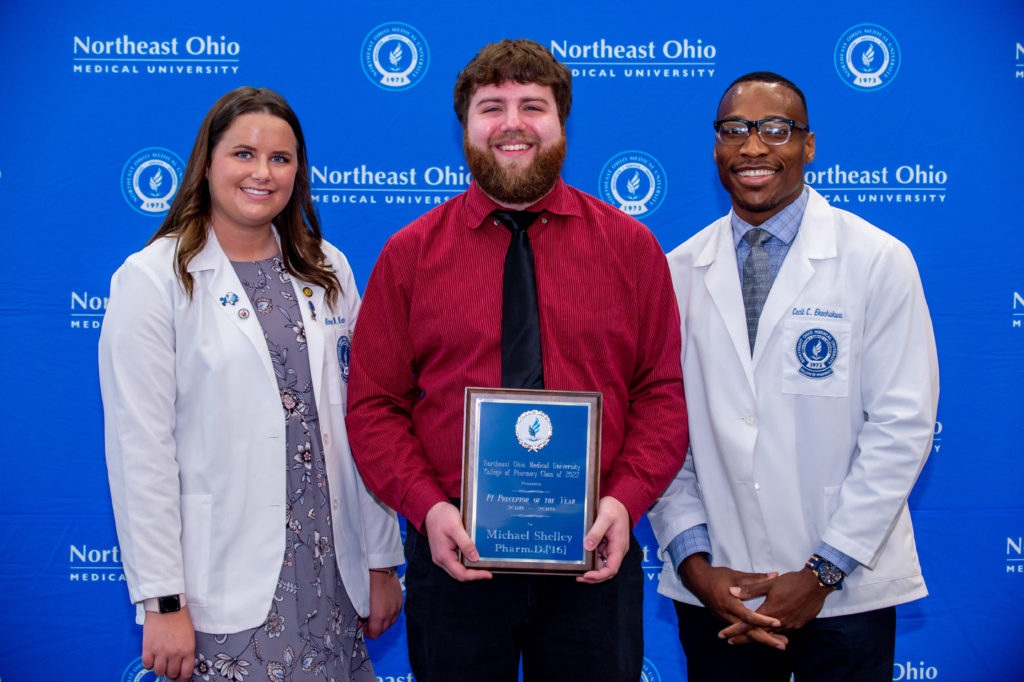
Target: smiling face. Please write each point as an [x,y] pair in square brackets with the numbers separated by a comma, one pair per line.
[763,179]
[514,142]
[251,173]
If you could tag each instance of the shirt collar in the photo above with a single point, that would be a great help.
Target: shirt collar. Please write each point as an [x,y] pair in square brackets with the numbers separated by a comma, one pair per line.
[783,225]
[560,201]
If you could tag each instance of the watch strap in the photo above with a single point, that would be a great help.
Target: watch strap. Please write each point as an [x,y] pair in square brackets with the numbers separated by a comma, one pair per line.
[827,573]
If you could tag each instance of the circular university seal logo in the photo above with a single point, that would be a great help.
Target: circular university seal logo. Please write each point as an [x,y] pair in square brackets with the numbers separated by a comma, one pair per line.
[344,354]
[867,57]
[633,181]
[816,350]
[150,178]
[533,430]
[136,673]
[649,673]
[395,56]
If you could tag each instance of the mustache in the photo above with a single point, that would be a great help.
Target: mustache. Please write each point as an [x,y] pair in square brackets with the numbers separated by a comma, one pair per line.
[505,138]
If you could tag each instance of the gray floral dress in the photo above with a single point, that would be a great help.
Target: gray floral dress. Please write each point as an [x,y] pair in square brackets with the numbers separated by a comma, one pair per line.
[312,631]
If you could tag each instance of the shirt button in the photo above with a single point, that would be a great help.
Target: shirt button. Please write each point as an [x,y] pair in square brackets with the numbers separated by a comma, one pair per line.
[544,221]
[327,439]
[749,419]
[495,223]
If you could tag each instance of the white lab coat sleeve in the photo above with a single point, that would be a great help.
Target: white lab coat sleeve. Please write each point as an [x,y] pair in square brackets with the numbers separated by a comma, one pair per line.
[380,523]
[899,394]
[380,527]
[137,382]
[678,509]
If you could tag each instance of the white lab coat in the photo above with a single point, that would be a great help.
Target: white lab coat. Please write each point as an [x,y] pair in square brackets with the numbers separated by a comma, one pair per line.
[780,460]
[195,439]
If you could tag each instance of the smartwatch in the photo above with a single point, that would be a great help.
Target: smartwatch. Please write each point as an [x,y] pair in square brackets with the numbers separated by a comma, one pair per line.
[172,603]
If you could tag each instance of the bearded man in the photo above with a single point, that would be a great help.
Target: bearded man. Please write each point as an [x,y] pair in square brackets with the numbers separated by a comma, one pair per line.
[522,282]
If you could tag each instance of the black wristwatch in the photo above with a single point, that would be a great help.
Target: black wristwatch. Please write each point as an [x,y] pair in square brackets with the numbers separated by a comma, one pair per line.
[828,573]
[169,604]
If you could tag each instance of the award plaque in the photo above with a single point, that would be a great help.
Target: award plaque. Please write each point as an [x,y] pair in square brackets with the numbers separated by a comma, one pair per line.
[530,467]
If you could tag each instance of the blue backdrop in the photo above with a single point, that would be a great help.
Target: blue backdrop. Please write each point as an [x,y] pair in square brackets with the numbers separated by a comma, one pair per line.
[916,110]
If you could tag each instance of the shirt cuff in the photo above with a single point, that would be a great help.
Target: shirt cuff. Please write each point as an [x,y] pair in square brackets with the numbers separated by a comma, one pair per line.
[691,541]
[420,500]
[840,560]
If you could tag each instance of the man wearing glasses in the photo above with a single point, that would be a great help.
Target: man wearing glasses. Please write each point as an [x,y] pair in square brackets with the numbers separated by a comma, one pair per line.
[812,385]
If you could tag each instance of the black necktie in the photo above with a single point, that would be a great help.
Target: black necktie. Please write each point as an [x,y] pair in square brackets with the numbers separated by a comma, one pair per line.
[521,363]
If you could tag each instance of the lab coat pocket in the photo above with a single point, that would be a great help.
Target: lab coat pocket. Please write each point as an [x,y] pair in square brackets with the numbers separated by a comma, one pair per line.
[196,521]
[816,357]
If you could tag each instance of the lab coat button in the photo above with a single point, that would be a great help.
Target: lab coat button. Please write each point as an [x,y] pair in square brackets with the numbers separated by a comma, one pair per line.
[749,419]
[757,486]
[327,440]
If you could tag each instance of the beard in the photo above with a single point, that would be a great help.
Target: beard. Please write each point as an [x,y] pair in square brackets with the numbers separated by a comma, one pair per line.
[514,185]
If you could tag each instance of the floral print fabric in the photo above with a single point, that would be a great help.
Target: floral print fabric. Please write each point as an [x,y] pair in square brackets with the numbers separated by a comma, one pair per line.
[312,632]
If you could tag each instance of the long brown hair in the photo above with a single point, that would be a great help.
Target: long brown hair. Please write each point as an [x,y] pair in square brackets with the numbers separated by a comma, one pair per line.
[297,224]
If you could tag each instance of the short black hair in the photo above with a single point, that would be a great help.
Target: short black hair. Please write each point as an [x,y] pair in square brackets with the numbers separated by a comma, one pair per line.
[768,77]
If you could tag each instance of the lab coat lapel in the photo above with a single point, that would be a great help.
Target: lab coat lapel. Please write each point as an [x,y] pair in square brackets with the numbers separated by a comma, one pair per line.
[723,284]
[212,266]
[314,315]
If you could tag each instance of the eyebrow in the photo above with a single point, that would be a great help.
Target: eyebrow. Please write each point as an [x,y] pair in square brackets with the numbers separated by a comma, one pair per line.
[503,100]
[249,147]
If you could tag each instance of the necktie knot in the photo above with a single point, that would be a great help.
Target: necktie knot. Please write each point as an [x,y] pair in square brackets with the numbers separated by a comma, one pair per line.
[757,236]
[516,221]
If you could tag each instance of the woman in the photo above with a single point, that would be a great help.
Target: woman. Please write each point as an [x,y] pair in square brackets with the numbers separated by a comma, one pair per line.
[249,542]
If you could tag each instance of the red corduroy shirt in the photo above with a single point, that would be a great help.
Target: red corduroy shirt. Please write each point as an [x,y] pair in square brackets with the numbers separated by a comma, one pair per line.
[430,325]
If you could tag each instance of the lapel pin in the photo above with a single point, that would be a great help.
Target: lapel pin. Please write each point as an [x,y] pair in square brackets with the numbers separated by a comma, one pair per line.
[229,298]
[307,291]
[243,313]
[312,310]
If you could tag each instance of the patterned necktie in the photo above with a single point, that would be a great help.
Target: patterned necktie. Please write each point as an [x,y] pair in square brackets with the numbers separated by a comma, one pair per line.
[521,363]
[757,279]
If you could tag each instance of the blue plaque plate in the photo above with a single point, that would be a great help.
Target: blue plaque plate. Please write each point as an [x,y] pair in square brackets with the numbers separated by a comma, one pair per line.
[530,468]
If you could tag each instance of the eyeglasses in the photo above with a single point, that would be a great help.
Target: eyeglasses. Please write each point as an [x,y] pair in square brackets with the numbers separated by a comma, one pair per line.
[772,131]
